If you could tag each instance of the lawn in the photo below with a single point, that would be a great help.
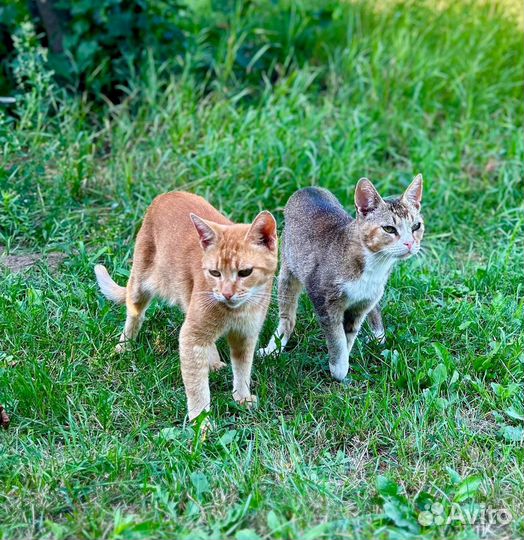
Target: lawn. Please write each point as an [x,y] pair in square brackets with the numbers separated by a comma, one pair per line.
[99,446]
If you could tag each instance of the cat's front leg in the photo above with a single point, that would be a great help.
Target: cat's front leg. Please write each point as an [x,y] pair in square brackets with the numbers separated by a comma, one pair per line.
[194,362]
[242,351]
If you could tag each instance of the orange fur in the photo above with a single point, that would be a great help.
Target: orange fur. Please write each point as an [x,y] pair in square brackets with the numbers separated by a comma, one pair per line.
[181,240]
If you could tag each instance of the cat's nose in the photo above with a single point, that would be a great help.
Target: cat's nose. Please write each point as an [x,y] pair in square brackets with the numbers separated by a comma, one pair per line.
[409,245]
[227,294]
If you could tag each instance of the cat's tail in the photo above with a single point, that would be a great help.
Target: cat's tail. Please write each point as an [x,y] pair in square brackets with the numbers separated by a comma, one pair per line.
[109,288]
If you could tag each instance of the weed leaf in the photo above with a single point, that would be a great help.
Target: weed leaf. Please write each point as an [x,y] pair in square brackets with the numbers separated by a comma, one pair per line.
[468,488]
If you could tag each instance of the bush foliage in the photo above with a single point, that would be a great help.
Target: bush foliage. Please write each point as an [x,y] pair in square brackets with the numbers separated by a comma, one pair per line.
[98,46]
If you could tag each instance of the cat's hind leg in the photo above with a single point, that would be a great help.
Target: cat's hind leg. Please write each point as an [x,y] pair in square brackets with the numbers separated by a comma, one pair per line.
[377,326]
[289,289]
[137,301]
[332,325]
[352,323]
[214,359]
[330,312]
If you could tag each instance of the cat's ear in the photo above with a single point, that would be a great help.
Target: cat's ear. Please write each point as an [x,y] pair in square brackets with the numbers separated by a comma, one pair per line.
[367,198]
[263,231]
[413,194]
[207,234]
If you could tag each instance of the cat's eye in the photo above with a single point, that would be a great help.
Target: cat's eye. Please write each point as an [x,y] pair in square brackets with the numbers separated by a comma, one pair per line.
[245,272]
[416,227]
[389,229]
[214,273]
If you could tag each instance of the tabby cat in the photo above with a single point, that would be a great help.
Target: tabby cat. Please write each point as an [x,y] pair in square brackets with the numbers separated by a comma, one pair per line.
[342,262]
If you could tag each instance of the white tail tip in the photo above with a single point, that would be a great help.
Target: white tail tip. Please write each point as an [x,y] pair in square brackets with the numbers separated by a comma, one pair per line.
[109,288]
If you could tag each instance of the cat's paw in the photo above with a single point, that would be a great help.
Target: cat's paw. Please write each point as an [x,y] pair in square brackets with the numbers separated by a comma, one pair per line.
[216,365]
[268,351]
[339,371]
[202,427]
[380,338]
[122,347]
[275,346]
[265,351]
[247,401]
[205,429]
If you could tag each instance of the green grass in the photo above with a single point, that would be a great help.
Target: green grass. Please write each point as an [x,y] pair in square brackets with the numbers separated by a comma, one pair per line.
[98,445]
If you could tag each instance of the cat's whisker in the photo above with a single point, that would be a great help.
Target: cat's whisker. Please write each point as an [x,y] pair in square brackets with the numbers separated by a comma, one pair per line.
[260,296]
[255,303]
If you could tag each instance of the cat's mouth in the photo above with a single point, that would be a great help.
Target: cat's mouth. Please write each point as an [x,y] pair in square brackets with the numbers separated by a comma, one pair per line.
[408,254]
[232,303]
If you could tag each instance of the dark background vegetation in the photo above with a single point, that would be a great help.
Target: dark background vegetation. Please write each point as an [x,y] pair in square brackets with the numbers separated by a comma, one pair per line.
[95,47]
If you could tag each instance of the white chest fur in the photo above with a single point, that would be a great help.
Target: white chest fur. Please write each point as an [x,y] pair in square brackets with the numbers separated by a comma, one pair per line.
[369,287]
[246,324]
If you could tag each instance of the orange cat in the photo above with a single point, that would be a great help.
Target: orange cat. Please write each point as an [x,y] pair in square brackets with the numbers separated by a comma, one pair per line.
[219,273]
